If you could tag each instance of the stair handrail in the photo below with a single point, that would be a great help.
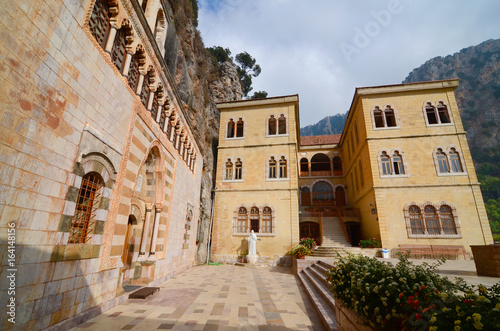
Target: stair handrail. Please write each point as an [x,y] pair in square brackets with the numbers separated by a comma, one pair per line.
[344,228]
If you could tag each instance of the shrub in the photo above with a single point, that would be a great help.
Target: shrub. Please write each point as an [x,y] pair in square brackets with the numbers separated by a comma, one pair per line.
[298,251]
[310,243]
[411,297]
[370,243]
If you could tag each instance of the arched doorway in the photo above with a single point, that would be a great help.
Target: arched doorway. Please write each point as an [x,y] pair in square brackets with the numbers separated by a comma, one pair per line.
[340,196]
[310,230]
[127,244]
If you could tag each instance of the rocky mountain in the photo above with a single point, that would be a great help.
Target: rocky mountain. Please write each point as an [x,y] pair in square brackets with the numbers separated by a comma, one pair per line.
[200,84]
[478,97]
[328,125]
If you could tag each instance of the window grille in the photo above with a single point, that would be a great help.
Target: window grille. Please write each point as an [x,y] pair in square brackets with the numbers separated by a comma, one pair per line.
[118,51]
[449,226]
[431,220]
[86,207]
[416,220]
[133,72]
[99,23]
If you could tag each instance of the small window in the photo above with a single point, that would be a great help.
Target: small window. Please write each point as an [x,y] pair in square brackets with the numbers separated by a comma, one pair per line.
[304,167]
[416,220]
[230,128]
[390,120]
[361,176]
[444,117]
[282,124]
[431,114]
[254,219]
[239,128]
[431,220]
[229,170]
[378,117]
[449,226]
[386,164]
[283,168]
[272,168]
[272,125]
[86,206]
[242,226]
[456,166]
[397,163]
[267,220]
[442,161]
[238,166]
[337,166]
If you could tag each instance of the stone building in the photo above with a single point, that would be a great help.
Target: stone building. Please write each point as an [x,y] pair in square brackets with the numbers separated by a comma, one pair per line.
[100,173]
[400,172]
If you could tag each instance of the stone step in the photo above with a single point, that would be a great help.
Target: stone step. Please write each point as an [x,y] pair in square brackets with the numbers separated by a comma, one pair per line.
[320,287]
[322,307]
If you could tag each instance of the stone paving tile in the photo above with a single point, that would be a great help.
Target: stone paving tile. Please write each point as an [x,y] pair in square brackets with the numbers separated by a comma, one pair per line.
[217,298]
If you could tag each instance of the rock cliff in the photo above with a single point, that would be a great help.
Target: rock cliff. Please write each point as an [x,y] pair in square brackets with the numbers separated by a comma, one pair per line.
[478,97]
[200,84]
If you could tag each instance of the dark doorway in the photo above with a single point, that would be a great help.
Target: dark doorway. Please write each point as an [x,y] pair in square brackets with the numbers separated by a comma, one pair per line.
[310,230]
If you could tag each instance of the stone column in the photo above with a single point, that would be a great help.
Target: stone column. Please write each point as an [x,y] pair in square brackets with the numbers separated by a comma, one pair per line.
[167,118]
[139,83]
[158,115]
[145,230]
[150,99]
[126,65]
[111,39]
[177,141]
[152,250]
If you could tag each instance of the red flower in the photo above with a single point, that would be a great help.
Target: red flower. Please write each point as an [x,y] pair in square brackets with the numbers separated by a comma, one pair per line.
[416,303]
[418,316]
[422,287]
[401,295]
[467,301]
[410,300]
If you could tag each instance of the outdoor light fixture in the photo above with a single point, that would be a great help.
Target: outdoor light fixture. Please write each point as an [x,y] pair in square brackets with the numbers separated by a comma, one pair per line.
[373,209]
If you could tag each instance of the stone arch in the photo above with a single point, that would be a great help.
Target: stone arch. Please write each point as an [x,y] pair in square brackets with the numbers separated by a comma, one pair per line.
[91,161]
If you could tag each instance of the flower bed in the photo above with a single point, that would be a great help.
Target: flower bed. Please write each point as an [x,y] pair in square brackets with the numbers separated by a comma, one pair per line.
[412,297]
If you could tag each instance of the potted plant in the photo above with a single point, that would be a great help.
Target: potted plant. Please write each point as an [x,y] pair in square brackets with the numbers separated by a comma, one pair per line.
[310,243]
[299,251]
[370,243]
[243,254]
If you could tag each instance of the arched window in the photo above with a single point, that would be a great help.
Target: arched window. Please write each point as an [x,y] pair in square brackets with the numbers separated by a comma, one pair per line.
[320,165]
[431,220]
[99,23]
[267,220]
[304,167]
[337,166]
[146,89]
[430,111]
[444,117]
[282,124]
[242,226]
[254,219]
[229,170]
[385,162]
[384,119]
[118,51]
[378,117]
[238,167]
[272,167]
[447,220]
[283,168]
[390,119]
[323,194]
[230,129]
[417,227]
[442,161]
[305,197]
[239,128]
[86,206]
[272,125]
[437,115]
[133,71]
[456,165]
[397,163]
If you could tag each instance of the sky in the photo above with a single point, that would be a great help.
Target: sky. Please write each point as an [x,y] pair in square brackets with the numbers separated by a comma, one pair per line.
[324,49]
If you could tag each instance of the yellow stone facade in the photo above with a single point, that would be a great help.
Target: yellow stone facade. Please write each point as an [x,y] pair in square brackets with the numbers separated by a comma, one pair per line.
[413,130]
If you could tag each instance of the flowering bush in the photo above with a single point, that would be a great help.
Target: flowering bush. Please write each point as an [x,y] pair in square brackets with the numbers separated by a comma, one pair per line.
[370,243]
[412,297]
[298,251]
[308,242]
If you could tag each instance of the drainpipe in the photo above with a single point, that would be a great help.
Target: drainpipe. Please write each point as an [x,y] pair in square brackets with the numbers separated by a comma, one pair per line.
[211,223]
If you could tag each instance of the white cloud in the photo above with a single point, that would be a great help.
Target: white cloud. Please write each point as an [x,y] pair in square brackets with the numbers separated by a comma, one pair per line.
[298,43]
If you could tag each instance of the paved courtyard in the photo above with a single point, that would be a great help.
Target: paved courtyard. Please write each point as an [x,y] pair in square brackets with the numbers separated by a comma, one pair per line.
[217,298]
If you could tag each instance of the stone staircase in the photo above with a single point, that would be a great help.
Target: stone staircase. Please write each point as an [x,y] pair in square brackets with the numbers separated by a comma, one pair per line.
[314,280]
[333,234]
